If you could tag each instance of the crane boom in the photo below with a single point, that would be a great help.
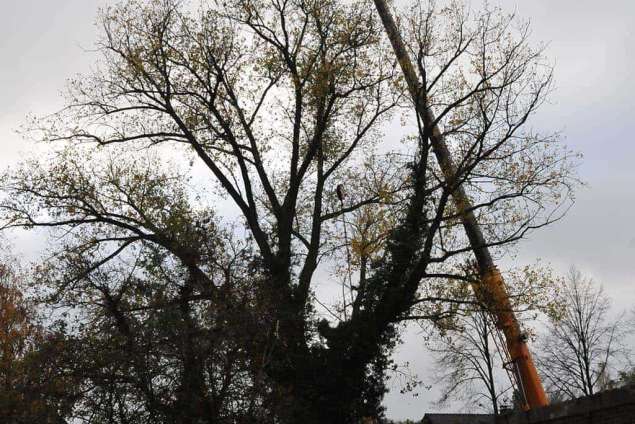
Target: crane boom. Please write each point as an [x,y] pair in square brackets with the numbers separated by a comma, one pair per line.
[491,291]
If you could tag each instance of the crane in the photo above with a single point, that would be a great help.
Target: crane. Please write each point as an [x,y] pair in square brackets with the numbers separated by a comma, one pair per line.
[491,291]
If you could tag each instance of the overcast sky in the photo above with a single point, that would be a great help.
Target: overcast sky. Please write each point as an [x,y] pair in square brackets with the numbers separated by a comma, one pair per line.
[44,42]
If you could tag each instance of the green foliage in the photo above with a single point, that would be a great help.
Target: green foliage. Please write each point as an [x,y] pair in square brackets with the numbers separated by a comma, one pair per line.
[35,384]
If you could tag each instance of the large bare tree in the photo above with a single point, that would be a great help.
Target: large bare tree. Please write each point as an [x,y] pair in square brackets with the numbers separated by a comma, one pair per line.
[584,347]
[279,105]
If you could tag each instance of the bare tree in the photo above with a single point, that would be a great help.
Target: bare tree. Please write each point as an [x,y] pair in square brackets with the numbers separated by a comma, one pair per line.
[469,359]
[278,103]
[584,343]
[467,363]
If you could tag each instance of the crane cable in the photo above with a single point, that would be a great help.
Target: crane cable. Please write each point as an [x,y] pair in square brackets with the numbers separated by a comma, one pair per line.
[503,352]
[340,196]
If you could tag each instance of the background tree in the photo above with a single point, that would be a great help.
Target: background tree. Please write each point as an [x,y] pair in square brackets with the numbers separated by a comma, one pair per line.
[468,348]
[34,388]
[152,340]
[277,104]
[469,363]
[626,377]
[584,345]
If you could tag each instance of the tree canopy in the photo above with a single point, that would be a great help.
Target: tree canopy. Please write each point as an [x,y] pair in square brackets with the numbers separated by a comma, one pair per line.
[287,112]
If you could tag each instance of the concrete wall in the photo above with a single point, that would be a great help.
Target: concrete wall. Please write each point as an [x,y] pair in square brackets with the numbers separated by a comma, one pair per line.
[610,407]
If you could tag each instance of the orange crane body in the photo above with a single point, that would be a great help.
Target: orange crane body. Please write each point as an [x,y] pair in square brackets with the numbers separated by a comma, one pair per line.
[491,291]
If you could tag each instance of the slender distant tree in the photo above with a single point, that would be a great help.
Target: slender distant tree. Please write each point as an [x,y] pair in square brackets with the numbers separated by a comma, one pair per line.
[584,346]
[470,365]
